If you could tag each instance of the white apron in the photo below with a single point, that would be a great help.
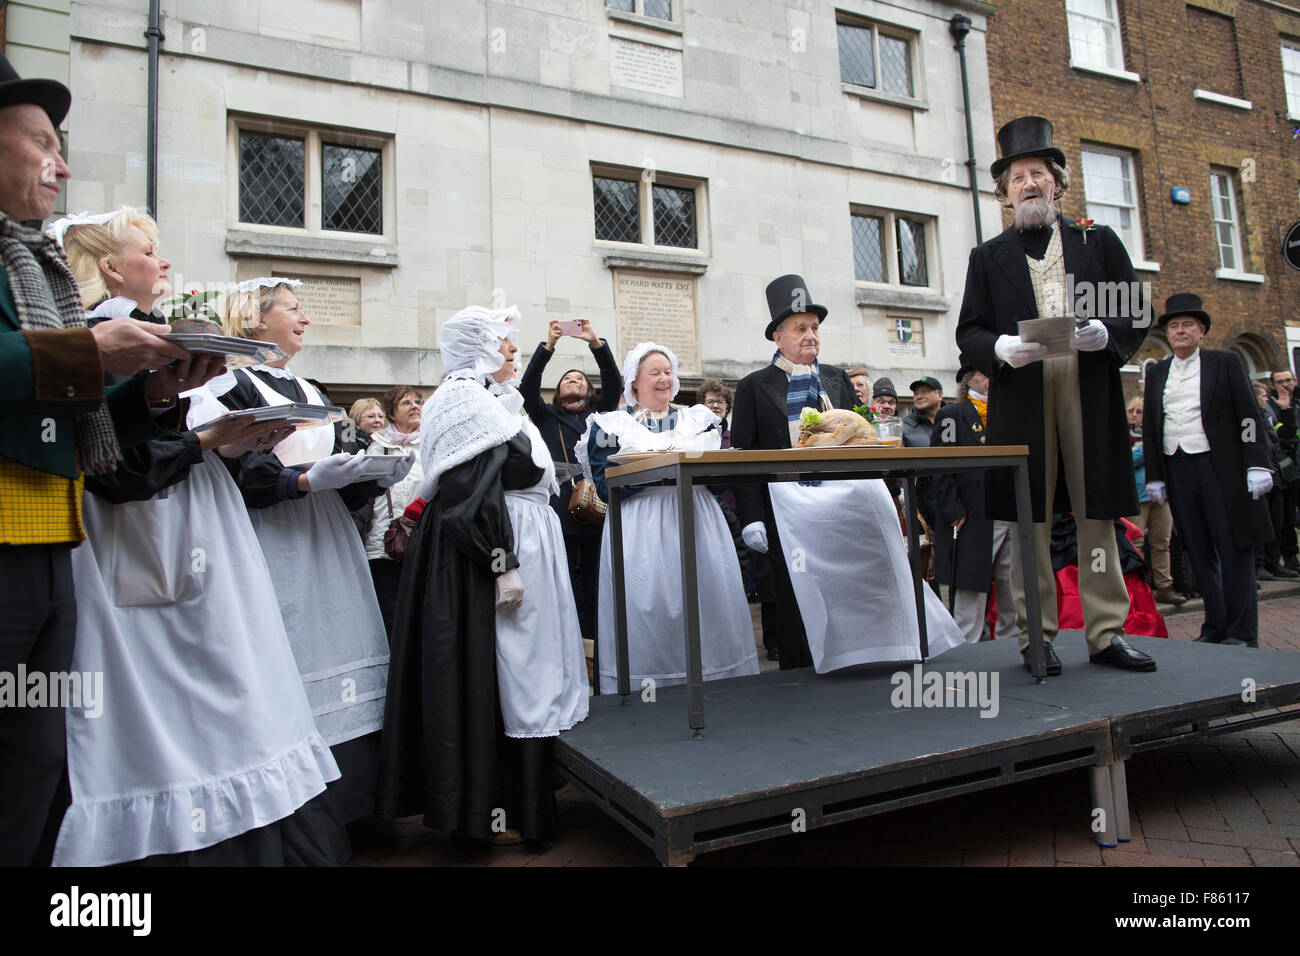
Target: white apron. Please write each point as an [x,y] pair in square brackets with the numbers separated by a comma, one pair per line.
[652,562]
[541,664]
[205,732]
[848,564]
[327,596]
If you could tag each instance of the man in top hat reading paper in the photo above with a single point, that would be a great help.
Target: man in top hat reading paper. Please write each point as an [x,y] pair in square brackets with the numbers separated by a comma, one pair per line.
[843,584]
[1068,408]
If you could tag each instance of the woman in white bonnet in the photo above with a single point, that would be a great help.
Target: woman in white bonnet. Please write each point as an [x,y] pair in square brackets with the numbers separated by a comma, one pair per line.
[487,658]
[655,611]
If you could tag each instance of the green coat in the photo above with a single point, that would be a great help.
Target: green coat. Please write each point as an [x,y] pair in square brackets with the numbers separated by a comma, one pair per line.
[40,432]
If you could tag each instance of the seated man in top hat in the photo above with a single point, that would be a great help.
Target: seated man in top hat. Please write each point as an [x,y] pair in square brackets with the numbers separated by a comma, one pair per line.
[839,566]
[1068,409]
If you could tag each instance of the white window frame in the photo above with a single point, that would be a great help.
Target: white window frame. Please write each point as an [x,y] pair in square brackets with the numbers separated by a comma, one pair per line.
[915,99]
[1137,249]
[1228,178]
[1076,20]
[313,208]
[647,180]
[637,15]
[1291,77]
[893,273]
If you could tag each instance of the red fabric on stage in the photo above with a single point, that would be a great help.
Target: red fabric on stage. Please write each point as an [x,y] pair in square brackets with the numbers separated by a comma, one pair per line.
[1144,618]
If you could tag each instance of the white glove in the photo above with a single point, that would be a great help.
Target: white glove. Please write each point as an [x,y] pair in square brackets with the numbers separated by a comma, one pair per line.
[1259,482]
[510,590]
[404,469]
[336,471]
[1091,338]
[755,536]
[1157,492]
[1016,352]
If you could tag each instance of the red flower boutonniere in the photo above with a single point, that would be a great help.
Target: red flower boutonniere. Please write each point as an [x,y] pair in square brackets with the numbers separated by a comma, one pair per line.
[1085,226]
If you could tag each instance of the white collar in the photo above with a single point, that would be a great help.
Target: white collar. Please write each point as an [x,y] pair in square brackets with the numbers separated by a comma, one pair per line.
[1191,360]
[274,371]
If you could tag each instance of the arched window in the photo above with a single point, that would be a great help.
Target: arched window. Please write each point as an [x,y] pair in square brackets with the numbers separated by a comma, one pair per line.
[1256,353]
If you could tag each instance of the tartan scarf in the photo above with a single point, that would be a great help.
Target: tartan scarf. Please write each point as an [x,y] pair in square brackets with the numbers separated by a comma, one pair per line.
[46,297]
[804,391]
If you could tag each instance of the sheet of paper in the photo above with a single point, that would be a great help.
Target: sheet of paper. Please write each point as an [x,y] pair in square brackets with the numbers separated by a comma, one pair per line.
[1054,332]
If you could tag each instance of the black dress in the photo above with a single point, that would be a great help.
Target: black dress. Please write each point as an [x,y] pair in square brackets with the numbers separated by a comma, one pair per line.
[445,753]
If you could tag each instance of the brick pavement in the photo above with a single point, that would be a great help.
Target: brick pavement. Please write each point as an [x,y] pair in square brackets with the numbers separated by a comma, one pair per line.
[1233,800]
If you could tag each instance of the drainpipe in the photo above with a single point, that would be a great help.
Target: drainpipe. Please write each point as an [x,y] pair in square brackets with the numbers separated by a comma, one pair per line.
[153,35]
[959,26]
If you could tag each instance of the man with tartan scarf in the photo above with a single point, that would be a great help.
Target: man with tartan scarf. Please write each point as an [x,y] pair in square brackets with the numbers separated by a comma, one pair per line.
[57,422]
[827,631]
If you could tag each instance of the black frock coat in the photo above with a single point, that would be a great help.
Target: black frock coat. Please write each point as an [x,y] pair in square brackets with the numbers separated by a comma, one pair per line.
[999,294]
[961,493]
[1227,406]
[444,749]
[758,420]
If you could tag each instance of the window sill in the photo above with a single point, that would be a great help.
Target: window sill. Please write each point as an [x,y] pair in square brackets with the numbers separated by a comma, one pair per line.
[274,245]
[654,23]
[1143,266]
[683,263]
[1107,71]
[866,93]
[1235,276]
[895,297]
[1221,99]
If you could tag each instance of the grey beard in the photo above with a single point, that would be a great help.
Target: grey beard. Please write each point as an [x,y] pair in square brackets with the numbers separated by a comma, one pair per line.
[1035,213]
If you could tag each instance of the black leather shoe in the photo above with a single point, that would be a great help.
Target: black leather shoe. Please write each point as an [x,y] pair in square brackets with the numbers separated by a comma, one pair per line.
[1278,571]
[1292,563]
[773,655]
[1122,654]
[1049,658]
[1262,573]
[1236,642]
[1204,638]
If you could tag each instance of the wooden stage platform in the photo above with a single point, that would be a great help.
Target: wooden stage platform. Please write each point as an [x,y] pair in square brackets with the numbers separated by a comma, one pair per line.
[790,748]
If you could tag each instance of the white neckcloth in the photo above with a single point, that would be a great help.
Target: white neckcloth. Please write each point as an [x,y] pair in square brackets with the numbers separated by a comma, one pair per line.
[205,732]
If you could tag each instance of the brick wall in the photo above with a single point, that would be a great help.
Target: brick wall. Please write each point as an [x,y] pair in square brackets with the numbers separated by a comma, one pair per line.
[1176,139]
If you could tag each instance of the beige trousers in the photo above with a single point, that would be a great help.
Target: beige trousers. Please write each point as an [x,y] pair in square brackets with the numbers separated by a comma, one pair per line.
[1101,580]
[1156,522]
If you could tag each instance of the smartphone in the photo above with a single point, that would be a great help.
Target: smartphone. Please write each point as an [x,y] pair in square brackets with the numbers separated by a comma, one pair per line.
[570,327]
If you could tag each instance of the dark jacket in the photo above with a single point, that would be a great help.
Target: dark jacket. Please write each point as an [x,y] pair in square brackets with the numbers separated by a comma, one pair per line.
[553,423]
[999,294]
[758,420]
[1228,410]
[53,376]
[957,494]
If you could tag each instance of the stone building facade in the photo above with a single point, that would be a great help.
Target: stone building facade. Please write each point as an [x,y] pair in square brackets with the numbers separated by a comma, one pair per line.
[647,164]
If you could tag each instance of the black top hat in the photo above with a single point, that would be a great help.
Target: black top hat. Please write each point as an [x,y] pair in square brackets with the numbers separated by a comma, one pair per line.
[927,381]
[1184,303]
[50,95]
[787,296]
[883,386]
[1025,136]
[965,368]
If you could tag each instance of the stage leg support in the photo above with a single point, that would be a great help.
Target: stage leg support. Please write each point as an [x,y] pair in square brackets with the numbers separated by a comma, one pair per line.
[1102,816]
[1119,791]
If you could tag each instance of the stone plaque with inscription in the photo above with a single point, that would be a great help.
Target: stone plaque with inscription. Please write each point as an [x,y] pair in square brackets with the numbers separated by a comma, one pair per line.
[645,67]
[658,307]
[330,300]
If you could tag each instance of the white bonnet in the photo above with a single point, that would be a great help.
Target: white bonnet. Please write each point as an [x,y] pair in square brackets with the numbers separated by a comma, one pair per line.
[633,362]
[471,340]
